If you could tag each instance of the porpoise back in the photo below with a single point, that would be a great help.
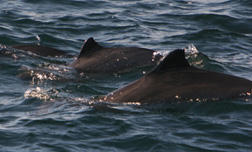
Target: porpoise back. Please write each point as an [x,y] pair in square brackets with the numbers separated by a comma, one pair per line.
[40,50]
[98,59]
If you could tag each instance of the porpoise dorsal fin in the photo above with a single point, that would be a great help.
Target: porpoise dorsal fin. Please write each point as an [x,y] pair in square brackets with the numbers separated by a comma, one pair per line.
[88,46]
[175,59]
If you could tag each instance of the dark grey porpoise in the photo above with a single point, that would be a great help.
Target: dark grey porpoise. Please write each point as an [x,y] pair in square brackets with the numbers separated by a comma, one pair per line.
[175,78]
[97,59]
[40,50]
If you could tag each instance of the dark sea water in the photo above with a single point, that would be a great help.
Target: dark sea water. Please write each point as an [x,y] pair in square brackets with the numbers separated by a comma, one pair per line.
[53,110]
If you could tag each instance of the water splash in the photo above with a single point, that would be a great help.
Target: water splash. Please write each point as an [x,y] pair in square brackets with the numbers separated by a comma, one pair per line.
[156,55]
[40,93]
[191,49]
[38,38]
[46,72]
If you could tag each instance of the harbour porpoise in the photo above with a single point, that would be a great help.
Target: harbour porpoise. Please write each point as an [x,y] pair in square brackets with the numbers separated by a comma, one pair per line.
[94,58]
[40,50]
[174,78]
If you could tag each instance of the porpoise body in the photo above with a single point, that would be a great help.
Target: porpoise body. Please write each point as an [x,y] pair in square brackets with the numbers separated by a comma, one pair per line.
[40,50]
[97,59]
[174,78]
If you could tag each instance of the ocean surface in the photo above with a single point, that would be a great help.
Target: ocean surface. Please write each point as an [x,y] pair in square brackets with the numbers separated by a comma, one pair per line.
[53,109]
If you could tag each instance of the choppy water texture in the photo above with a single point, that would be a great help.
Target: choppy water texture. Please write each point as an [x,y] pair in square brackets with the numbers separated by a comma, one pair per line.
[52,111]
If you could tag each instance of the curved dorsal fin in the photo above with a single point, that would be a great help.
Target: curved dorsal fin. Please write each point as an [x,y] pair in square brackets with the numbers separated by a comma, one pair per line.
[88,46]
[175,59]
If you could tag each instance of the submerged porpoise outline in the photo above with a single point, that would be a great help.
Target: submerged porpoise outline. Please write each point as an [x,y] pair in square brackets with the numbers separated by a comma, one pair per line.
[175,79]
[41,50]
[94,58]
